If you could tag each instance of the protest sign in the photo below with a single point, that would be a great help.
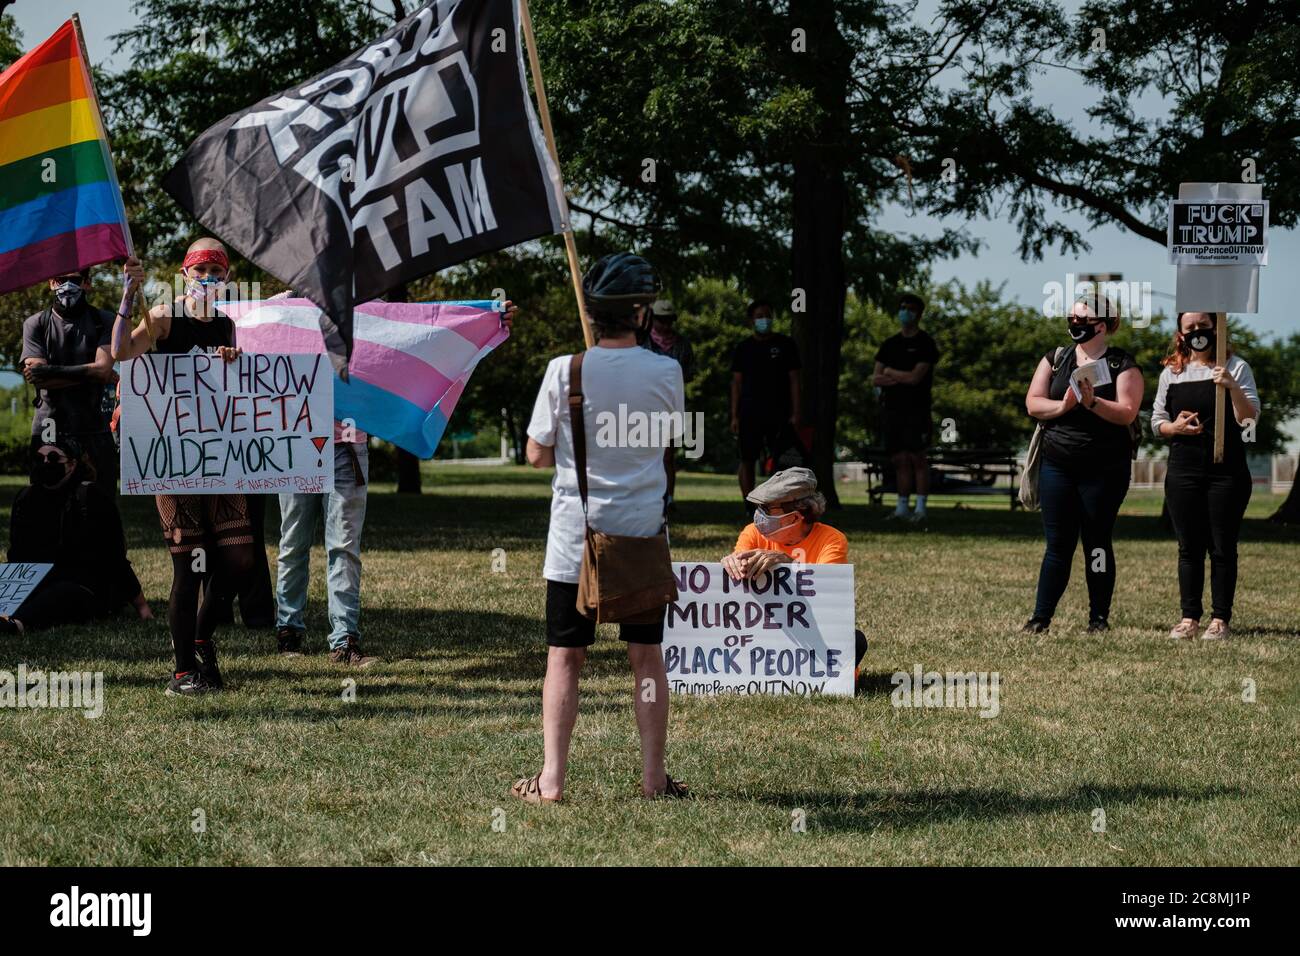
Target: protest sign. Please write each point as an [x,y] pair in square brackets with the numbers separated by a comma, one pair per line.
[1218,232]
[789,631]
[1217,282]
[16,582]
[195,424]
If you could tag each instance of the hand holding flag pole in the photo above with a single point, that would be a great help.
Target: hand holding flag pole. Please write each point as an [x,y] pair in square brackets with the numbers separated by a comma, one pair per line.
[102,130]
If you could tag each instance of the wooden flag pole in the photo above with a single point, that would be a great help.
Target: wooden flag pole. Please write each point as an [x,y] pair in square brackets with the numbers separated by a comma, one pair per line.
[570,245]
[1220,393]
[108,160]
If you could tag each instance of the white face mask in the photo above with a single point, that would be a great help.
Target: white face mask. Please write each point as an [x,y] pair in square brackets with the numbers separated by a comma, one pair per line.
[783,529]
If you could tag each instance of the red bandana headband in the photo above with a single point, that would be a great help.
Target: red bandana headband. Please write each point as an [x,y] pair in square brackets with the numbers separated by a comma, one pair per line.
[200,256]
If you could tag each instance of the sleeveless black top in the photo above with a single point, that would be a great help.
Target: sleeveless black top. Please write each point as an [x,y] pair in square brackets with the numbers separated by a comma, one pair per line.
[1081,435]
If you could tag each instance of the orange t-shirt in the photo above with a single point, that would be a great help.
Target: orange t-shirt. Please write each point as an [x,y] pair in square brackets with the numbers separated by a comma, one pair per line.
[823,545]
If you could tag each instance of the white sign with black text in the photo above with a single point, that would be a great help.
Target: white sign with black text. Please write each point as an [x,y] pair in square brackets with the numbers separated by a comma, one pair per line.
[789,631]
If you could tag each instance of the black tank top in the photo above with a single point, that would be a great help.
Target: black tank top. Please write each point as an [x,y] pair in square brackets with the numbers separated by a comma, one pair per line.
[187,333]
[1081,435]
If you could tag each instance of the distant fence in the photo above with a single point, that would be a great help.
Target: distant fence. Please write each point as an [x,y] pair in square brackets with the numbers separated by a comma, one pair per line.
[1277,472]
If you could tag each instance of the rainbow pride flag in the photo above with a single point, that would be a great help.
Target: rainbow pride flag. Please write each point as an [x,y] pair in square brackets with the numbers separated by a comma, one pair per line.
[60,206]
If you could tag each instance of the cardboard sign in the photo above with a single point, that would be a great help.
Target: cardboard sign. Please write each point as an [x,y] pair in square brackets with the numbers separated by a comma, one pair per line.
[195,424]
[789,631]
[16,582]
[1218,232]
[1217,284]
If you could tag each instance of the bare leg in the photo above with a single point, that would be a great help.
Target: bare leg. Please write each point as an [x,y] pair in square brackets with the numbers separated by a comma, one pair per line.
[746,478]
[650,698]
[559,713]
[921,465]
[903,472]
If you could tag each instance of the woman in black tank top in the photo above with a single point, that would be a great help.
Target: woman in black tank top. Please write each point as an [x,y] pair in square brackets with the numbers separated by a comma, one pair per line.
[1207,501]
[1085,468]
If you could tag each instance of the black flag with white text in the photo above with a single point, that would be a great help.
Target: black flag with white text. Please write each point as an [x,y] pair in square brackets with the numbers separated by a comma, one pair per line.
[418,152]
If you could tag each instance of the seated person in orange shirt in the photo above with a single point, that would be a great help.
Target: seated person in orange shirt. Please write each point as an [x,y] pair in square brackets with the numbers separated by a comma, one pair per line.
[786,530]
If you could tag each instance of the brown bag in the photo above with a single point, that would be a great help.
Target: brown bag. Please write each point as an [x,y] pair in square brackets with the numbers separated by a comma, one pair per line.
[624,578]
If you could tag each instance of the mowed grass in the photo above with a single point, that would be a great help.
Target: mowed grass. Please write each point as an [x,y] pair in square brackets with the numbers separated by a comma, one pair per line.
[1154,733]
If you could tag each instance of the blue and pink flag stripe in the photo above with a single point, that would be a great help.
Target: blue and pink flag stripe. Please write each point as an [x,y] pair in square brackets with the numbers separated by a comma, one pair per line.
[409,365]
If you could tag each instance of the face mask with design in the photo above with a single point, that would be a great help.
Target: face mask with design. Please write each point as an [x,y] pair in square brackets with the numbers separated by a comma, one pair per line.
[68,294]
[783,529]
[1083,332]
[205,289]
[762,325]
[1200,340]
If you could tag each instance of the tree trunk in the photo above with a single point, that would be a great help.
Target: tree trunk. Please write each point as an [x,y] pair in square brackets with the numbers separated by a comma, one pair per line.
[817,247]
[408,466]
[1289,512]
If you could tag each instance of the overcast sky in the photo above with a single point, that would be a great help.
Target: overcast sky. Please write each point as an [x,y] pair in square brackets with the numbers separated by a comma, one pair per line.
[1114,249]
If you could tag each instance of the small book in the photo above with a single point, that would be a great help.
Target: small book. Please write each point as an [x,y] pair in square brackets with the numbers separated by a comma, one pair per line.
[1096,372]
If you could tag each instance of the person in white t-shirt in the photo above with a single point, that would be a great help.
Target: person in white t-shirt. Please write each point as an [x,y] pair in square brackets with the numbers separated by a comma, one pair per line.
[627,390]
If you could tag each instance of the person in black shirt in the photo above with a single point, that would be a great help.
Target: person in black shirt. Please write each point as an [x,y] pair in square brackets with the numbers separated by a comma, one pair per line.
[63,518]
[65,356]
[217,525]
[764,393]
[1086,457]
[904,374]
[1206,501]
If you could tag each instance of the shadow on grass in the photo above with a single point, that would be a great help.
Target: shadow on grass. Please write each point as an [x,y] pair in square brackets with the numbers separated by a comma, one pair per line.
[873,809]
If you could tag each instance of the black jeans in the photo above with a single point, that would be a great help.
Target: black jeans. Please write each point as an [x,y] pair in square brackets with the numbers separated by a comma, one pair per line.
[1206,508]
[1080,499]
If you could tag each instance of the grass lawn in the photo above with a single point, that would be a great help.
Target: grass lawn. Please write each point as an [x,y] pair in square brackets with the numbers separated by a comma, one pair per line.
[1153,732]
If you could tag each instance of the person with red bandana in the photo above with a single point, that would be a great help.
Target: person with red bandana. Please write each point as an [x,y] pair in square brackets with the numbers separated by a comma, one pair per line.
[215,524]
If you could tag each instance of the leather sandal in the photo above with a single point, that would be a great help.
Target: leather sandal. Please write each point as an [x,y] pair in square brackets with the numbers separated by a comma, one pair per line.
[673,790]
[529,790]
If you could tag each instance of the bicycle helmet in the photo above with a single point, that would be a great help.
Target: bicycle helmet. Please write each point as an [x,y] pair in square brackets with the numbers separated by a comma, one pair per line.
[619,281]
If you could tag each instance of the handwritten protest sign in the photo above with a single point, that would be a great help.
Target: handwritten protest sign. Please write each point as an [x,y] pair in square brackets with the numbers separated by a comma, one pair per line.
[1218,232]
[197,424]
[789,631]
[16,582]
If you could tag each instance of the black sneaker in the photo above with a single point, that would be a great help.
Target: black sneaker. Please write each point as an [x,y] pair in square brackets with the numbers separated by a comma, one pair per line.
[289,640]
[1097,625]
[189,684]
[1036,625]
[206,652]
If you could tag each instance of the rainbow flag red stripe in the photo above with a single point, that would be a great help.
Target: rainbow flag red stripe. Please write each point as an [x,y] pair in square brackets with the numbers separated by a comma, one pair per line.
[60,206]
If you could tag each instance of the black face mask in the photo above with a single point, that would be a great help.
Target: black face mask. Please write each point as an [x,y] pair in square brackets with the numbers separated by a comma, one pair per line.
[1082,332]
[49,474]
[1199,340]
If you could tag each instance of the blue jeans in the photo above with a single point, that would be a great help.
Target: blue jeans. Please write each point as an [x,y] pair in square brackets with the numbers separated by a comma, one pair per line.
[1080,500]
[345,513]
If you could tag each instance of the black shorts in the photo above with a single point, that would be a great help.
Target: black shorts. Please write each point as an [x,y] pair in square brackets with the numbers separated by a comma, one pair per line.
[904,430]
[565,627]
[758,433]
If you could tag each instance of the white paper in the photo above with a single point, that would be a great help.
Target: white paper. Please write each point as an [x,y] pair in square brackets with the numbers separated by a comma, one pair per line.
[1096,371]
[17,581]
[789,631]
[194,424]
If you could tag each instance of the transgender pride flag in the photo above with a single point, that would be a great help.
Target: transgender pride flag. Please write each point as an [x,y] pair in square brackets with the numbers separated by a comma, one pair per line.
[409,366]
